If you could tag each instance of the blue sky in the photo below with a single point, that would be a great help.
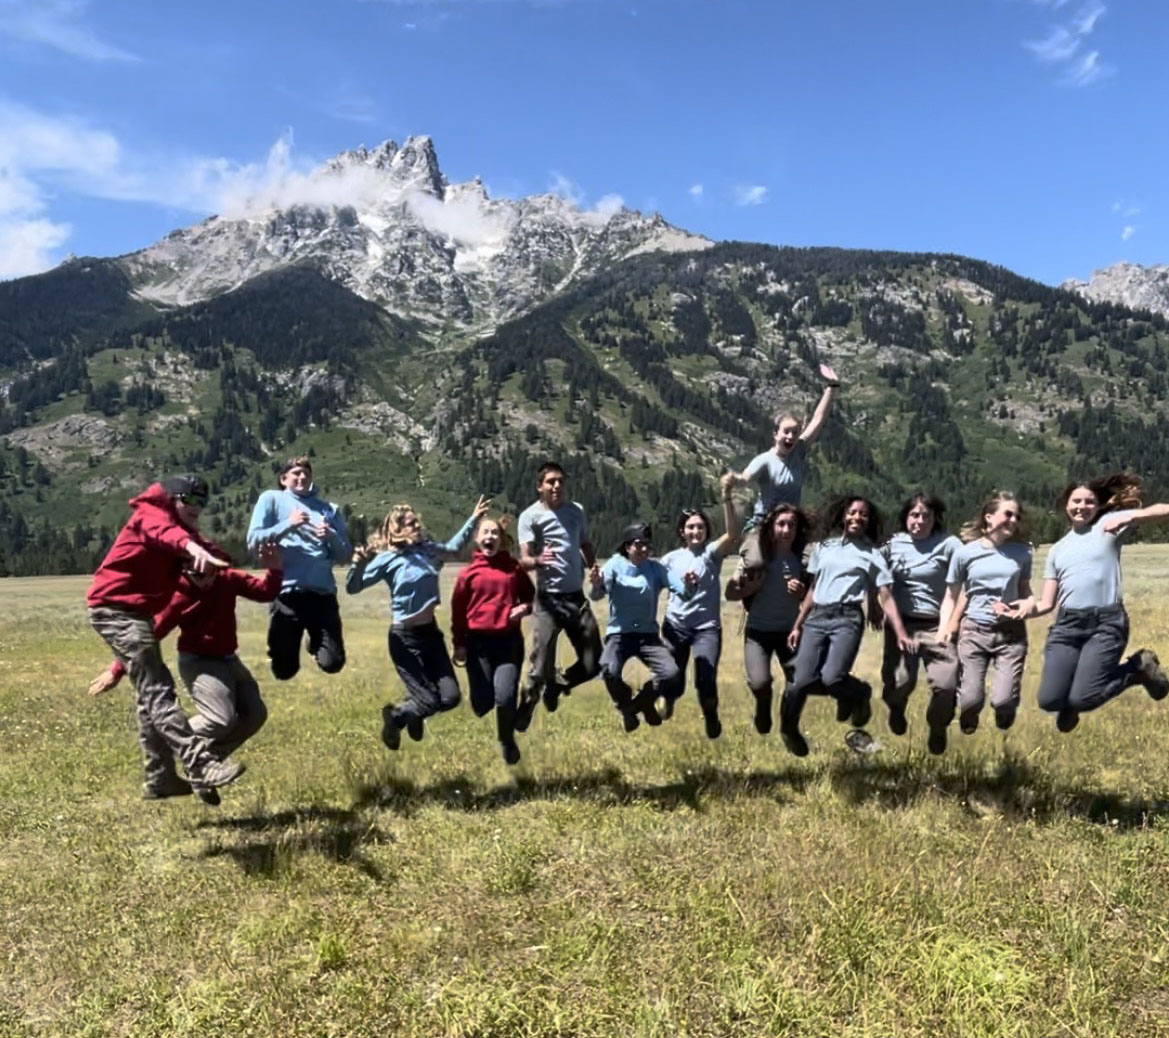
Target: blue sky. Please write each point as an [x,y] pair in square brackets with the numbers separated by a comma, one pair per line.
[1031,133]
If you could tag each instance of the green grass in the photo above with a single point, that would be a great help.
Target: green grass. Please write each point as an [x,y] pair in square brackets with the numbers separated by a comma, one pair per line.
[651,884]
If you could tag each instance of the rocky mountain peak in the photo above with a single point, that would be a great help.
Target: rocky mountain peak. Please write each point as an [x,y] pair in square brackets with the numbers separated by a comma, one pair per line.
[1129,284]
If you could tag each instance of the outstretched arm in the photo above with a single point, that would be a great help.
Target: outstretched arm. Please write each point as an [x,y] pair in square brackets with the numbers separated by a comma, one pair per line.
[1112,524]
[816,423]
[726,543]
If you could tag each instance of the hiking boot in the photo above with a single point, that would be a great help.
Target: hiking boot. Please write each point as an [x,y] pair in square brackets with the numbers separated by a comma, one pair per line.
[415,728]
[1004,717]
[796,744]
[630,720]
[665,707]
[218,773]
[551,698]
[645,703]
[862,708]
[1067,719]
[936,743]
[511,752]
[524,711]
[843,710]
[968,722]
[897,723]
[391,733]
[1150,674]
[763,714]
[171,786]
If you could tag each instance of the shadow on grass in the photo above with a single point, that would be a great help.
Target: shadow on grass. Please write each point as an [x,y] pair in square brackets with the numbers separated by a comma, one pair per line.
[1016,789]
[606,786]
[268,843]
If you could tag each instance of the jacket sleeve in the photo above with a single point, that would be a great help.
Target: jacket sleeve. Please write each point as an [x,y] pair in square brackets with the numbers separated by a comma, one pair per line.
[340,550]
[253,588]
[459,541]
[365,574]
[459,598]
[265,526]
[162,530]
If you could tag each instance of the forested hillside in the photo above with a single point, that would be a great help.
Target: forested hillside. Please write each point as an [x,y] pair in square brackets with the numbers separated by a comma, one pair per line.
[646,382]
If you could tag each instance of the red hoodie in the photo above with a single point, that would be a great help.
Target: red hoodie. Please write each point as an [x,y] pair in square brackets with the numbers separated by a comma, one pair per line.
[141,570]
[205,616]
[484,595]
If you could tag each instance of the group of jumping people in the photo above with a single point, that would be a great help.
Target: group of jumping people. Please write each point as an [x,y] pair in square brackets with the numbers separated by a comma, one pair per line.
[957,605]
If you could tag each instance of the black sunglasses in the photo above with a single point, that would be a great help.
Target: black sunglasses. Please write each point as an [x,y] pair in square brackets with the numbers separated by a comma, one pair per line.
[192,499]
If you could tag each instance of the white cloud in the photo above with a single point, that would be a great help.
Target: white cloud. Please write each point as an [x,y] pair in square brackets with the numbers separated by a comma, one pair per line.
[27,246]
[1085,20]
[749,194]
[57,24]
[1061,46]
[560,185]
[1128,232]
[1088,69]
[1058,46]
[696,192]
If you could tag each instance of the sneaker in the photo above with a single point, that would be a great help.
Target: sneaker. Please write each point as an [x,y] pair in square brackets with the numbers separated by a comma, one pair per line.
[1004,717]
[511,752]
[1066,719]
[630,720]
[551,698]
[218,773]
[524,711]
[415,728]
[171,786]
[665,707]
[897,723]
[391,733]
[843,710]
[1150,674]
[936,743]
[207,795]
[763,714]
[968,722]
[861,712]
[793,740]
[645,703]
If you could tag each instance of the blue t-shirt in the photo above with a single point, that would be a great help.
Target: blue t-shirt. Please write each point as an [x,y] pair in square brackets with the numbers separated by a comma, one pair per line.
[779,479]
[411,573]
[773,607]
[1087,565]
[846,570]
[701,610]
[562,530]
[633,594]
[919,571]
[988,574]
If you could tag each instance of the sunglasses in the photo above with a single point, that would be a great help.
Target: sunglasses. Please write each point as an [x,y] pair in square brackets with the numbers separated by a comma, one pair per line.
[639,543]
[192,499]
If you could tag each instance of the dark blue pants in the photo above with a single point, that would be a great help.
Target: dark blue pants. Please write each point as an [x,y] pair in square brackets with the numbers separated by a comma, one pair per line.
[493,672]
[826,653]
[295,612]
[620,649]
[424,665]
[706,647]
[1081,661]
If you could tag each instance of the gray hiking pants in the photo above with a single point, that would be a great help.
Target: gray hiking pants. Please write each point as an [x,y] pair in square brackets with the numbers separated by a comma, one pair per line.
[551,614]
[979,645]
[899,670]
[228,697]
[163,729]
[1081,662]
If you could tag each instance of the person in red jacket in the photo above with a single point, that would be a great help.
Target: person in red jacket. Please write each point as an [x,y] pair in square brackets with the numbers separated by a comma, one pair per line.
[491,596]
[227,695]
[135,580]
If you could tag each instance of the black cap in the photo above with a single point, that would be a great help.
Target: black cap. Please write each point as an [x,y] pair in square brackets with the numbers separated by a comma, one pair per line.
[636,532]
[187,485]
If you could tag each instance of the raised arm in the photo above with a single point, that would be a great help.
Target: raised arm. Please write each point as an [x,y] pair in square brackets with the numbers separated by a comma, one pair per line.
[816,423]
[461,539]
[726,543]
[1152,514]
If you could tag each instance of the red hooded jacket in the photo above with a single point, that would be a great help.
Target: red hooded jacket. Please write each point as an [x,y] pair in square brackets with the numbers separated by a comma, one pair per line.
[484,594]
[205,616]
[142,568]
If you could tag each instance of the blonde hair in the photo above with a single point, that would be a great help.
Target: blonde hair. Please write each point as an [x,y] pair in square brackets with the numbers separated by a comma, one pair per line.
[976,527]
[506,541]
[391,534]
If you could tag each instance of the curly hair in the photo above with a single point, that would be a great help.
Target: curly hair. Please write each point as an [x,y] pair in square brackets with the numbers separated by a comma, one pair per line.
[831,518]
[767,529]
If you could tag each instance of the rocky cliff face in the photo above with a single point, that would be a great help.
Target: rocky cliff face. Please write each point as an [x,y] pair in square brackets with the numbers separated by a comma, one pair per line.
[1129,284]
[387,224]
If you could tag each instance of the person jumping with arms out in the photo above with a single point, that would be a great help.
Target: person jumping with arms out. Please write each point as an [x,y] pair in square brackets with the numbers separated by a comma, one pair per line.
[993,565]
[492,594]
[693,624]
[135,581]
[311,531]
[1082,669]
[845,568]
[554,541]
[402,555]
[782,471]
[633,581]
[228,697]
[772,597]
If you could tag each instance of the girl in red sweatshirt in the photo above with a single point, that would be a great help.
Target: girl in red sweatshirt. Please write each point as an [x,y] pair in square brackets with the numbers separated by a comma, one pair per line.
[490,597]
[227,695]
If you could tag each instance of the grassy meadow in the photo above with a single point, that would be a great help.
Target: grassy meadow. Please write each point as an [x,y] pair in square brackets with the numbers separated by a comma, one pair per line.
[653,884]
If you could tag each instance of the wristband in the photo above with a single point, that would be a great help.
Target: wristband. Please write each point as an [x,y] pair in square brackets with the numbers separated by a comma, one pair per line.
[832,385]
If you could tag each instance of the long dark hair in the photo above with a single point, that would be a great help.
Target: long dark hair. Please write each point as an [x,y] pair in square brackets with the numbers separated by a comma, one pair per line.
[1113,492]
[931,501]
[767,530]
[831,518]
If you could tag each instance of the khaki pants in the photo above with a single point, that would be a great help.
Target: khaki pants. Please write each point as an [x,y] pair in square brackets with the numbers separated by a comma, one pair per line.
[899,671]
[979,645]
[230,708]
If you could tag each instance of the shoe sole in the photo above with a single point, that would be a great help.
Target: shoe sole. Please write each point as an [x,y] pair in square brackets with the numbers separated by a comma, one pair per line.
[222,780]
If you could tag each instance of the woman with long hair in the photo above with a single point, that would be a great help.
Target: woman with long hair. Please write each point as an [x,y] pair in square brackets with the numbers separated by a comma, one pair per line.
[402,554]
[1082,668]
[492,594]
[845,568]
[919,558]
[693,625]
[993,565]
[771,595]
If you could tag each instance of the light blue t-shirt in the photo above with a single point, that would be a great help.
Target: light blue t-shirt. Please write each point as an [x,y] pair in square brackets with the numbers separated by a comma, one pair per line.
[633,594]
[562,530]
[988,574]
[1087,565]
[701,610]
[411,573]
[779,479]
[773,607]
[919,571]
[846,570]
[308,559]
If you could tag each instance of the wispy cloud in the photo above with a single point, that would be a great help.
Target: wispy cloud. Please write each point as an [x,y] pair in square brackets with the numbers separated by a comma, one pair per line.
[1128,232]
[1127,211]
[749,194]
[350,107]
[59,24]
[695,192]
[1062,45]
